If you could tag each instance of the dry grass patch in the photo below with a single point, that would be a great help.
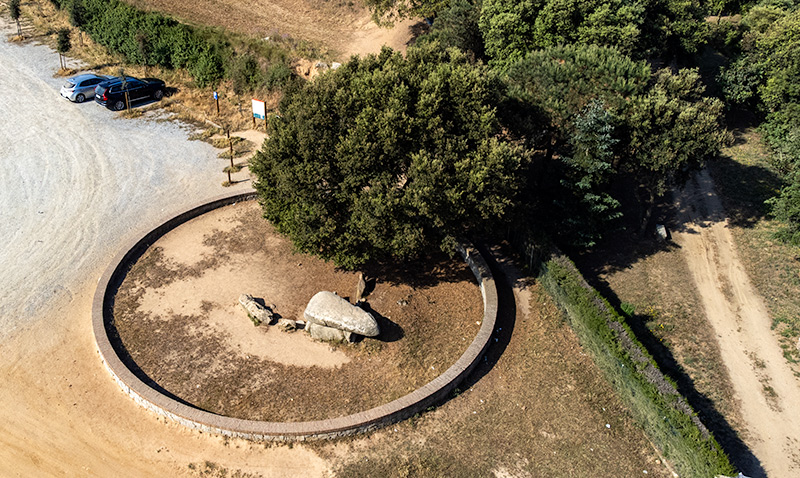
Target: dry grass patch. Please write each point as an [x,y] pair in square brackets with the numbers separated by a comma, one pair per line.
[187,103]
[646,282]
[303,23]
[537,407]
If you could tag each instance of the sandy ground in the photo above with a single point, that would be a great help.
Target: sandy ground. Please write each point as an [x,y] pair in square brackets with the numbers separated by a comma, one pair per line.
[179,305]
[766,388]
[185,246]
[75,181]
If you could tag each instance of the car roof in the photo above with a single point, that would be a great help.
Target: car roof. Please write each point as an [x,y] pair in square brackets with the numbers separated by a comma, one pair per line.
[85,76]
[117,80]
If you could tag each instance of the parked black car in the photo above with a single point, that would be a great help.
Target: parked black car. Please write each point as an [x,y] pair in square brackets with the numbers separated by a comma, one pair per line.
[111,93]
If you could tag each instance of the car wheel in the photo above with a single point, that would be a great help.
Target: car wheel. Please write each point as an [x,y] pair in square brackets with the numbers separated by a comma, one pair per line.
[119,105]
[80,98]
[158,94]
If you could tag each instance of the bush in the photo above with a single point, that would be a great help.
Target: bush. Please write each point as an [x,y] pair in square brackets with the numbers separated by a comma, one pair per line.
[207,69]
[245,73]
[278,74]
[149,38]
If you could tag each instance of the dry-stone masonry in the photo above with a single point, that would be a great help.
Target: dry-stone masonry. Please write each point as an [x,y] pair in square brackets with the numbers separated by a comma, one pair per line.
[183,413]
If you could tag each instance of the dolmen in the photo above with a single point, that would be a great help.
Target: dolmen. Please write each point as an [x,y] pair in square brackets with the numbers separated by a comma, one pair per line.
[333,319]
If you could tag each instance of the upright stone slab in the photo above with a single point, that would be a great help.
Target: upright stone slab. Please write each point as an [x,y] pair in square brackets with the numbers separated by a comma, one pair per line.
[328,334]
[257,312]
[330,310]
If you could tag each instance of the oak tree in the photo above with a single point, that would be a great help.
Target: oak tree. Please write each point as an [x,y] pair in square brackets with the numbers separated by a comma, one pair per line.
[388,156]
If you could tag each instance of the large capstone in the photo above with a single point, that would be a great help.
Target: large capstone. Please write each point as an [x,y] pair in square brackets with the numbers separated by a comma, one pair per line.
[330,310]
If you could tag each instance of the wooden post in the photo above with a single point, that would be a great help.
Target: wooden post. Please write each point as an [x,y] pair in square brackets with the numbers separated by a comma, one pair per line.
[230,145]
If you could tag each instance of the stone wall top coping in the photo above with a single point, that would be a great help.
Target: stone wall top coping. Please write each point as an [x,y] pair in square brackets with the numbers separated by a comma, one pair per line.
[396,410]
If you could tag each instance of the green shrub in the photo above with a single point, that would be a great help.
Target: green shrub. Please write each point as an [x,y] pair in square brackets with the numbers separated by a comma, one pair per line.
[150,38]
[245,73]
[278,74]
[652,399]
[207,69]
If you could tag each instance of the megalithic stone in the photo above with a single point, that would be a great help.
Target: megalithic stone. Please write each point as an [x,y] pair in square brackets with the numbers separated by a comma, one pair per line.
[330,310]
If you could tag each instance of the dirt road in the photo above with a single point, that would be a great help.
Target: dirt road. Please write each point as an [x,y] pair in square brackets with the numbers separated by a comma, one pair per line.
[767,390]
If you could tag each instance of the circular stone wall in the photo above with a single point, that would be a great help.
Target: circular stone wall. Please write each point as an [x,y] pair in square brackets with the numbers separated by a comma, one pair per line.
[153,399]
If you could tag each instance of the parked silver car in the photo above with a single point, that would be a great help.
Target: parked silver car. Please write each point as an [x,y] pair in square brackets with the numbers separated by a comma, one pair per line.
[80,87]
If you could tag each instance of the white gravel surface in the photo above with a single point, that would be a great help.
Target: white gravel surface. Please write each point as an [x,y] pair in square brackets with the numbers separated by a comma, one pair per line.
[76,180]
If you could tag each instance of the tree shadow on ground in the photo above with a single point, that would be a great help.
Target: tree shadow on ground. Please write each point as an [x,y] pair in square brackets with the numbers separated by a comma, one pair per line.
[506,317]
[418,29]
[743,190]
[420,273]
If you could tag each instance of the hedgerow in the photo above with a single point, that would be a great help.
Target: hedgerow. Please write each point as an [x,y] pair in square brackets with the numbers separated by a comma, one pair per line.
[654,401]
[153,39]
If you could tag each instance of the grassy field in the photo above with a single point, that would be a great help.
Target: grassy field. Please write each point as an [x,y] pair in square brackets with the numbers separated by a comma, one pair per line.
[745,179]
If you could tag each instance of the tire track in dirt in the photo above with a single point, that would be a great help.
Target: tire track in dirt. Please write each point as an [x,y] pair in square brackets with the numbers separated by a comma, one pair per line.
[766,389]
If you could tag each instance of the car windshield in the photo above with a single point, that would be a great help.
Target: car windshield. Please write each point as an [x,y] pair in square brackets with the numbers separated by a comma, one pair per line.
[69,84]
[100,90]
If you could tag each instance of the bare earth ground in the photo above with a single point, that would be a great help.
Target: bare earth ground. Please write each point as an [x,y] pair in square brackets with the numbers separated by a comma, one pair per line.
[764,384]
[178,317]
[536,407]
[344,27]
[697,311]
[75,181]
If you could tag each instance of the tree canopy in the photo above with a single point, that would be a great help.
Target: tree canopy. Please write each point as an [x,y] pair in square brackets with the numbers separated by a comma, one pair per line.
[765,77]
[511,28]
[14,11]
[388,156]
[606,120]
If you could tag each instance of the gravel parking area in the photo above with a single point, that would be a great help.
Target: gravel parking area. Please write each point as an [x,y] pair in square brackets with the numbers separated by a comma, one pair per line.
[77,178]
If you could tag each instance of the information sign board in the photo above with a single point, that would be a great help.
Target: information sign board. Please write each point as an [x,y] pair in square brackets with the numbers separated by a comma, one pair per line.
[259,109]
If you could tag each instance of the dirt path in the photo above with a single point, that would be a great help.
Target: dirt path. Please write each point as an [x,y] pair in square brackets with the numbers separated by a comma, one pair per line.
[767,390]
